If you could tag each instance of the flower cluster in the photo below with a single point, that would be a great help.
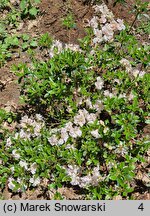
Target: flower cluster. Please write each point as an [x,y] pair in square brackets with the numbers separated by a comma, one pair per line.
[34,181]
[73,129]
[12,184]
[75,173]
[30,127]
[99,84]
[58,47]
[128,67]
[105,25]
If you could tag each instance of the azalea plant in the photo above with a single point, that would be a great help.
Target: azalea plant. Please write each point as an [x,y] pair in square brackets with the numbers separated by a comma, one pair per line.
[87,106]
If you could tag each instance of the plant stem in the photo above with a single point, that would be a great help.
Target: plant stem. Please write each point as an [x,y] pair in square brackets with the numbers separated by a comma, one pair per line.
[134,21]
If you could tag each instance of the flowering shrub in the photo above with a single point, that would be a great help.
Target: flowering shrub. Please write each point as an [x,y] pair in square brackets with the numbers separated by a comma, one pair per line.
[91,106]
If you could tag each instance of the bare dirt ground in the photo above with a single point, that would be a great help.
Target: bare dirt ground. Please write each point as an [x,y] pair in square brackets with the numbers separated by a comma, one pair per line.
[52,13]
[50,20]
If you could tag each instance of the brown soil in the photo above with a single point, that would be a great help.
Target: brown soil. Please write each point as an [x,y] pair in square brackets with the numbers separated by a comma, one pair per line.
[52,14]
[52,21]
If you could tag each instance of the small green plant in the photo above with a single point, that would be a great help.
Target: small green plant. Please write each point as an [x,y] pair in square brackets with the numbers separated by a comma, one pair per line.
[4,4]
[28,8]
[119,1]
[140,8]
[13,17]
[45,41]
[69,23]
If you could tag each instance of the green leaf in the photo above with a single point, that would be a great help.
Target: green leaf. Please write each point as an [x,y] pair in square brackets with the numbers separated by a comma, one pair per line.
[37,1]
[25,45]
[33,43]
[33,11]
[15,41]
[25,37]
[147,121]
[23,4]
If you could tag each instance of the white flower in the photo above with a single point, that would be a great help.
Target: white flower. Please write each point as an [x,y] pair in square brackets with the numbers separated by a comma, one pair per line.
[15,154]
[60,142]
[141,74]
[11,185]
[8,142]
[85,181]
[75,132]
[79,119]
[23,164]
[95,134]
[121,149]
[99,37]
[126,64]
[117,25]
[69,109]
[98,106]
[123,95]
[39,117]
[53,140]
[75,180]
[19,180]
[35,181]
[98,33]
[135,72]
[107,93]
[91,179]
[131,96]
[33,168]
[79,101]
[108,32]
[103,19]
[24,135]
[72,47]
[102,123]
[12,169]
[25,121]
[96,171]
[64,134]
[93,22]
[37,129]
[110,165]
[16,135]
[117,81]
[68,146]
[85,113]
[72,172]
[114,25]
[89,103]
[106,129]
[92,52]
[91,118]
[95,176]
[102,8]
[68,126]
[97,40]
[99,84]
[56,47]
[121,26]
